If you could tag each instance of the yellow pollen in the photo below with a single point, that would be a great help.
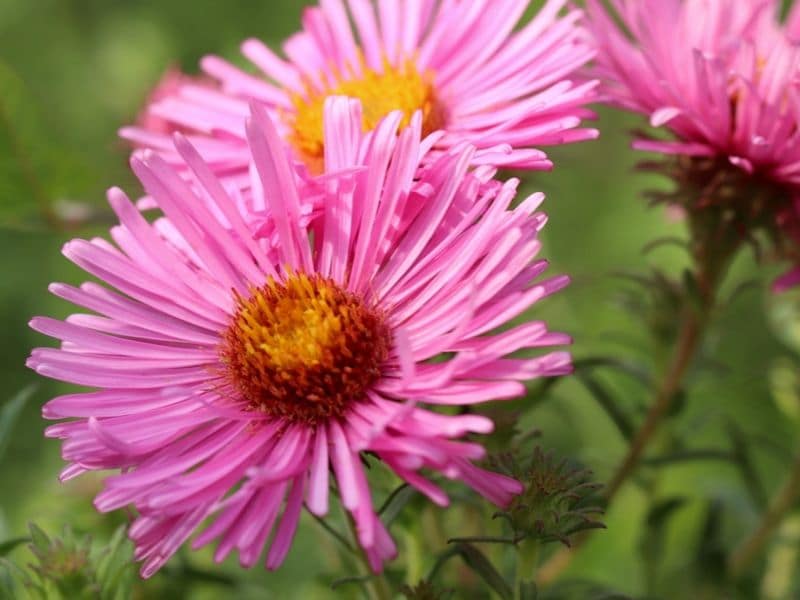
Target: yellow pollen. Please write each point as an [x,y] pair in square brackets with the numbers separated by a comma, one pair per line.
[393,88]
[304,349]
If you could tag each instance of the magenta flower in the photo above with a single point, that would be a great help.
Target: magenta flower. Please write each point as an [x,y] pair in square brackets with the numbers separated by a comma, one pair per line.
[230,385]
[722,77]
[461,64]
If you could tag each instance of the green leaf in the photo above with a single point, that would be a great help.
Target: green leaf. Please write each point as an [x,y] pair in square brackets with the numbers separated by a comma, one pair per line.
[665,241]
[680,400]
[477,561]
[9,545]
[13,581]
[710,555]
[395,503]
[9,413]
[608,403]
[632,369]
[663,510]
[115,571]
[635,278]
[485,539]
[740,290]
[691,455]
[747,470]
[359,579]
[39,538]
[653,538]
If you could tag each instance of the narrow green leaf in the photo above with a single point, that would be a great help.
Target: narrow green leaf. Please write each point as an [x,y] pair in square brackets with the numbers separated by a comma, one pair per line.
[634,370]
[359,579]
[39,538]
[710,555]
[744,462]
[607,402]
[583,526]
[9,413]
[12,580]
[441,559]
[484,539]
[746,286]
[663,510]
[114,569]
[665,241]
[477,561]
[680,400]
[653,539]
[641,280]
[9,545]
[395,503]
[702,454]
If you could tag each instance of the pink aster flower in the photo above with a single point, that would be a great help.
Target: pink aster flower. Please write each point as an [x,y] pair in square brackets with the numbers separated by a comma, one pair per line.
[721,76]
[462,64]
[171,82]
[231,386]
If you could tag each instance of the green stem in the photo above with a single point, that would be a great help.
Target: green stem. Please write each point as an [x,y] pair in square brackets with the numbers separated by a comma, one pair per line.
[687,343]
[711,254]
[527,561]
[685,349]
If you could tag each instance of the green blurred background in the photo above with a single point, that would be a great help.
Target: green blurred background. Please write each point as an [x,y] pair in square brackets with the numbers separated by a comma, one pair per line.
[73,71]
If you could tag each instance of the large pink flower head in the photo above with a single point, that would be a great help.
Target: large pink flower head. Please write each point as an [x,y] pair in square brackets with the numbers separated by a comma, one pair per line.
[721,76]
[232,386]
[462,64]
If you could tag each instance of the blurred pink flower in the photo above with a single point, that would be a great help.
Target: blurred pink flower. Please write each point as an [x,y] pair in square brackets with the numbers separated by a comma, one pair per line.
[171,82]
[461,63]
[231,383]
[720,75]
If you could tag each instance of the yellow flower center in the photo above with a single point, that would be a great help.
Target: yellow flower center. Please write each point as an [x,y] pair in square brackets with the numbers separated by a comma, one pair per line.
[393,88]
[304,349]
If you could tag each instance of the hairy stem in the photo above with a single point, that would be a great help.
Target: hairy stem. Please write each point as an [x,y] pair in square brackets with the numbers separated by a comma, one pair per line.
[687,343]
[711,260]
[781,503]
[527,559]
[686,346]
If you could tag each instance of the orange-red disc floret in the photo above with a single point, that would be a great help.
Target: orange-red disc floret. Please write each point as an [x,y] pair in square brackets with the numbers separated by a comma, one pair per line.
[304,349]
